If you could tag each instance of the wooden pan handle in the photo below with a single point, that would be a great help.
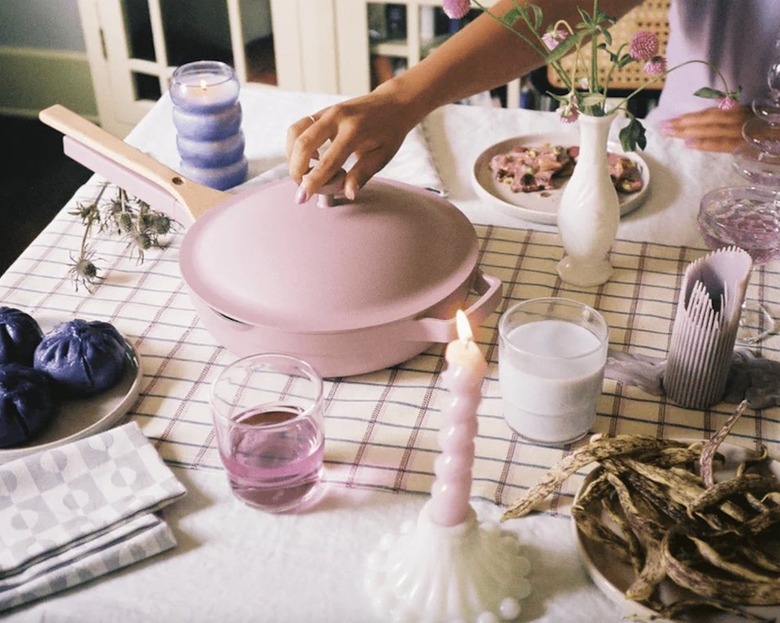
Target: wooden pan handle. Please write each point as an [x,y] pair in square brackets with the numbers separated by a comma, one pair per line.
[193,197]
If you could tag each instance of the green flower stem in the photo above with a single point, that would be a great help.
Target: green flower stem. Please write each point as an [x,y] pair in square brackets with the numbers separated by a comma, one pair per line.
[594,61]
[661,76]
[536,47]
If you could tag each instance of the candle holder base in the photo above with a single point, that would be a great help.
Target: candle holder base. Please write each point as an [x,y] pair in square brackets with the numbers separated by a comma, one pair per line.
[469,572]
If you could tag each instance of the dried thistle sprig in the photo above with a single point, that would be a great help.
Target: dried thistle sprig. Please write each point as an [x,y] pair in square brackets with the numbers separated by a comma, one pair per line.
[83,270]
[121,215]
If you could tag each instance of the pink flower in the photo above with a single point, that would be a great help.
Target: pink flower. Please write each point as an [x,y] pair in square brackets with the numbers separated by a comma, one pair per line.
[553,38]
[643,46]
[655,66]
[727,103]
[455,9]
[568,113]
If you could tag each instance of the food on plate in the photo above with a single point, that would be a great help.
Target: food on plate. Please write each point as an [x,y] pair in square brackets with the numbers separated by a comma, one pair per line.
[27,403]
[19,335]
[625,173]
[655,505]
[530,168]
[83,357]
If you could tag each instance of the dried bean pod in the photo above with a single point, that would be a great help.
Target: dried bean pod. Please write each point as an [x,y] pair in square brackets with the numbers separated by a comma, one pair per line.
[650,534]
[709,449]
[636,551]
[754,483]
[596,450]
[695,604]
[739,592]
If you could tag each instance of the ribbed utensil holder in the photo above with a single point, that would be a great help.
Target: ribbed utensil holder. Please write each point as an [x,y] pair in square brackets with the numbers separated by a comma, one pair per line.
[705,328]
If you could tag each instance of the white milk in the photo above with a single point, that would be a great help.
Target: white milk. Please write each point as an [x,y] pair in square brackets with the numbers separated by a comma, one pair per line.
[551,377]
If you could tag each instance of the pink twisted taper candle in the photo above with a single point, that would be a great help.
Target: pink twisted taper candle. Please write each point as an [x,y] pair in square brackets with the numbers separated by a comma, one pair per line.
[449,504]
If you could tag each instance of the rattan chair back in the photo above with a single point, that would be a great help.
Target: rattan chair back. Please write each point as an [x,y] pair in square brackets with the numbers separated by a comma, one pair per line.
[651,15]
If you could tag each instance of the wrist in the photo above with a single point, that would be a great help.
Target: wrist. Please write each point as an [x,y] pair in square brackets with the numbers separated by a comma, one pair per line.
[410,96]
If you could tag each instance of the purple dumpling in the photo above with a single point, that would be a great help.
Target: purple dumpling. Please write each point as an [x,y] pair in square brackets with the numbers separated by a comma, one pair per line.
[27,403]
[83,357]
[19,335]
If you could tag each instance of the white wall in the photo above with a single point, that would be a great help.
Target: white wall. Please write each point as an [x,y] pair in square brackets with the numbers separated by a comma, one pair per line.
[46,24]
[43,57]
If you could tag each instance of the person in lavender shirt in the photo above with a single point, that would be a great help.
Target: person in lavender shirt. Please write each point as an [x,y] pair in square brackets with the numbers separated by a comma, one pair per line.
[735,35]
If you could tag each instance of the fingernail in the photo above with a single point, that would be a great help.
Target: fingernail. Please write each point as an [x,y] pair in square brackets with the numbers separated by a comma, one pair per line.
[350,191]
[301,195]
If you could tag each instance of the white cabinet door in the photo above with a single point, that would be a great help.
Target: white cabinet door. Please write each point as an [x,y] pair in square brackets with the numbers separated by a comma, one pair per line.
[306,45]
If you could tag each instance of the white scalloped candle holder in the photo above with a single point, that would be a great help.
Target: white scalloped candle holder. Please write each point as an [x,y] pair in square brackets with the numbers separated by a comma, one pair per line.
[469,573]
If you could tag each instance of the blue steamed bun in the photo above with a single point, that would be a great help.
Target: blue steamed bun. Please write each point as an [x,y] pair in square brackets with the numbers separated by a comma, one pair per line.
[19,335]
[27,403]
[83,357]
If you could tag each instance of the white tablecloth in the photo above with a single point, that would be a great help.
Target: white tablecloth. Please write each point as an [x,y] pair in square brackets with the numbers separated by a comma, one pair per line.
[234,563]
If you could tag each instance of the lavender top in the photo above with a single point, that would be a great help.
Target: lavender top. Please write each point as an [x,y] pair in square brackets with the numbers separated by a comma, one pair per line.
[737,36]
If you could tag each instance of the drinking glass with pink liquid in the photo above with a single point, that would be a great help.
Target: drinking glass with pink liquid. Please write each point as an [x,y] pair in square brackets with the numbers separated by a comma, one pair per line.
[747,217]
[268,419]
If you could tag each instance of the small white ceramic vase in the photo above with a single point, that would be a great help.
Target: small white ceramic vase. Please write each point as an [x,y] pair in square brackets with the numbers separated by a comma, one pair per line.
[589,210]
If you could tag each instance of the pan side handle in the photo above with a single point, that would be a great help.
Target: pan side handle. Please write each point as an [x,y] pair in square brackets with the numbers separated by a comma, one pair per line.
[490,290]
[194,198]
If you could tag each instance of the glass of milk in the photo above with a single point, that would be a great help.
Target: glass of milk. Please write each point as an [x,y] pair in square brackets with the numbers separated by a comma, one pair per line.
[551,358]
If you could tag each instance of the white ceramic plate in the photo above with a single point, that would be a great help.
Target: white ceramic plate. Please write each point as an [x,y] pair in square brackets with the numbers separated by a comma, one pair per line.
[613,576]
[542,206]
[81,418]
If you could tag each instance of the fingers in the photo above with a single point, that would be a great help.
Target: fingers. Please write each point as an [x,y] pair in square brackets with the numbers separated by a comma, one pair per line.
[714,144]
[711,129]
[367,130]
[304,139]
[367,165]
[350,137]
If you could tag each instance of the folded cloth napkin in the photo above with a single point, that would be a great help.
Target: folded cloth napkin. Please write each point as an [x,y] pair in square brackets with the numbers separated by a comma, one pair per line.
[414,164]
[78,511]
[752,378]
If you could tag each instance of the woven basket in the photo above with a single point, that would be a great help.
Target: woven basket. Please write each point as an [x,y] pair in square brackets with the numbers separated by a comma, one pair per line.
[651,15]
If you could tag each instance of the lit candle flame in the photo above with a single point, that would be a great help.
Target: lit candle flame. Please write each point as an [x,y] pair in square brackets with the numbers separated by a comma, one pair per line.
[203,84]
[465,334]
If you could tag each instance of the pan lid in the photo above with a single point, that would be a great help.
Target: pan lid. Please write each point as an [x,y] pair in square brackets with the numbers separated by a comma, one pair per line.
[394,252]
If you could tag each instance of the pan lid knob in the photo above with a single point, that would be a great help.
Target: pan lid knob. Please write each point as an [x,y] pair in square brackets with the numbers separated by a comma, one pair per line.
[332,192]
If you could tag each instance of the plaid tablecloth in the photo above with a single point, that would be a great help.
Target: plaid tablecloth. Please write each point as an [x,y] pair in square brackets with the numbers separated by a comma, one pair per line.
[381,427]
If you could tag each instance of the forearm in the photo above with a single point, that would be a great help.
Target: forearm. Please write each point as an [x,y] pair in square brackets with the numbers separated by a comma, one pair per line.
[372,127]
[482,56]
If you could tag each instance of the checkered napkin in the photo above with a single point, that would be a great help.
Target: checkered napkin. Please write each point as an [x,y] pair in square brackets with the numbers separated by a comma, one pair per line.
[70,514]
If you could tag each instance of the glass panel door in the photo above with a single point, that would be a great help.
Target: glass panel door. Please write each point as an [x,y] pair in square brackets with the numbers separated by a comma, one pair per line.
[142,42]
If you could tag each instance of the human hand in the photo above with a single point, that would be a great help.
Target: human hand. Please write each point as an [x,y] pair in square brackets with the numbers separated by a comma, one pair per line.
[711,129]
[372,127]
